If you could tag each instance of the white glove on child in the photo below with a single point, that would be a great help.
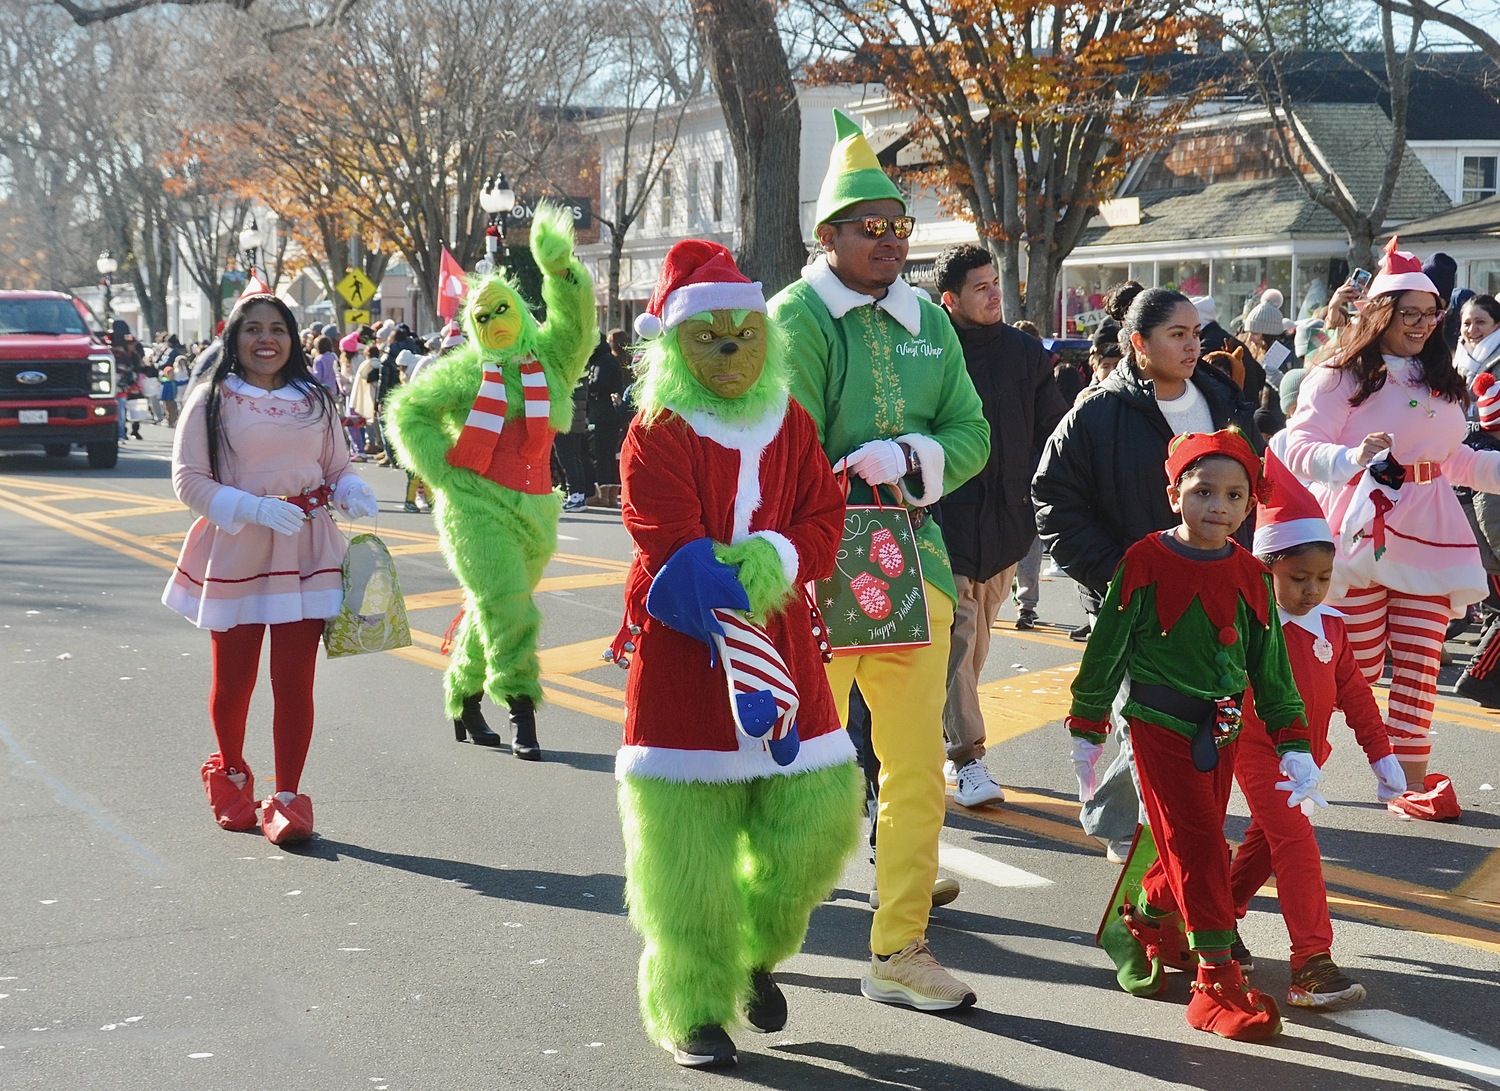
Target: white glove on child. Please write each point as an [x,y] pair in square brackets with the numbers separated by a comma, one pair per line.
[1085,760]
[355,498]
[1303,777]
[1390,778]
[276,514]
[878,462]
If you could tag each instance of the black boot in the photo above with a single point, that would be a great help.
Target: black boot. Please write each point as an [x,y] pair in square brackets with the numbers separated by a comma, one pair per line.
[472,724]
[705,1047]
[1480,682]
[523,729]
[766,1011]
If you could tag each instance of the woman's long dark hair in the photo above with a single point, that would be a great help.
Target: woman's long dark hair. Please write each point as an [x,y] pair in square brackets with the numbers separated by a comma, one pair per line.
[1363,359]
[297,372]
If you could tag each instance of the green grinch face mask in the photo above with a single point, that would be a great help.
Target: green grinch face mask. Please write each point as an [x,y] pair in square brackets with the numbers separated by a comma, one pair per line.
[724,350]
[497,316]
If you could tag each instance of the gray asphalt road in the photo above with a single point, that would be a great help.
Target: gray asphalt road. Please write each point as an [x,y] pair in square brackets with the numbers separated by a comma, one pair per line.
[458,923]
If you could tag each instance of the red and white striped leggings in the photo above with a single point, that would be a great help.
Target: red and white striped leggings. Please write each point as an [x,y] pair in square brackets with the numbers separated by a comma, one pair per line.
[1412,627]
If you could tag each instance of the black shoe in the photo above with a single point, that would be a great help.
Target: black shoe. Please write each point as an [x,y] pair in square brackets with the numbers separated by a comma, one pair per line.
[471,724]
[767,1008]
[1026,620]
[1081,634]
[705,1047]
[1241,954]
[411,507]
[1482,691]
[523,738]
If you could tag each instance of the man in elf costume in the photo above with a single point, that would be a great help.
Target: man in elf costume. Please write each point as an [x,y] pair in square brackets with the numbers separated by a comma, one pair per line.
[739,795]
[882,373]
[478,428]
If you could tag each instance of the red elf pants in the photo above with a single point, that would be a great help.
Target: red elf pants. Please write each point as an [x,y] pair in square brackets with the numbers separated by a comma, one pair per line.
[1280,840]
[1186,809]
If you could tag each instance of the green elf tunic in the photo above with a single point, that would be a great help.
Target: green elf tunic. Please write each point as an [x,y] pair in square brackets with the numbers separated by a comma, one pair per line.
[886,369]
[1206,628]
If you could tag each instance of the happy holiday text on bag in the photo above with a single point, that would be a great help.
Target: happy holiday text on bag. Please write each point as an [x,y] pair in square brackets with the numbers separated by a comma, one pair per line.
[875,600]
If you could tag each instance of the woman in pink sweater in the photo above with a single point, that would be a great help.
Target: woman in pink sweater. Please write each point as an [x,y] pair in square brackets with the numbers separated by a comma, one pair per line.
[259,456]
[1406,560]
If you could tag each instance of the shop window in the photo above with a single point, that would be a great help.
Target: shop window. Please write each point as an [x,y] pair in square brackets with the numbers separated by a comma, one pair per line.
[1237,285]
[1188,277]
[1083,296]
[1484,277]
[1480,176]
[1316,280]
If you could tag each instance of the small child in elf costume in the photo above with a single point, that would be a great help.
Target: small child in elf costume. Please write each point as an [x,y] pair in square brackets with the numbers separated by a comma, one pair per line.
[1293,539]
[1188,615]
[737,820]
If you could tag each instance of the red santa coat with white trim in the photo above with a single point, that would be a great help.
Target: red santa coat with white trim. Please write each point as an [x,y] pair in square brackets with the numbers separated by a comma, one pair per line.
[688,477]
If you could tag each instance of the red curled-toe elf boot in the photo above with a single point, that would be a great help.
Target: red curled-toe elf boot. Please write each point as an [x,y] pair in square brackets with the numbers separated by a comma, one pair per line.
[285,820]
[231,793]
[1224,1004]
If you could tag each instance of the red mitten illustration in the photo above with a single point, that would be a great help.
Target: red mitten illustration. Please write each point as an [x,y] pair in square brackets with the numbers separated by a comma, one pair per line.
[869,592]
[887,553]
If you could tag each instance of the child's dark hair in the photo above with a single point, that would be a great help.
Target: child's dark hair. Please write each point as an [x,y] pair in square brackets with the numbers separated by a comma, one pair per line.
[1268,559]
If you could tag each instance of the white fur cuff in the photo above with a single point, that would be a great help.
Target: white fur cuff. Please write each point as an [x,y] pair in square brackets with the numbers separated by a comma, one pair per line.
[931,459]
[784,549]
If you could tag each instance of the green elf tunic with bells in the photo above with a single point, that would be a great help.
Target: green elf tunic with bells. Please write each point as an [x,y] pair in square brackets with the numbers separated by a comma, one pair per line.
[885,369]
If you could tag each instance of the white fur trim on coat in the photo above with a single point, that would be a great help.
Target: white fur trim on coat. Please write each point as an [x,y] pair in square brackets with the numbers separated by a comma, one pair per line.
[750,442]
[930,461]
[751,761]
[901,301]
[784,549]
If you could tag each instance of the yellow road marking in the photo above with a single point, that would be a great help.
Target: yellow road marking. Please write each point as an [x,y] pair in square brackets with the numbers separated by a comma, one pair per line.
[69,525]
[1483,883]
[1014,706]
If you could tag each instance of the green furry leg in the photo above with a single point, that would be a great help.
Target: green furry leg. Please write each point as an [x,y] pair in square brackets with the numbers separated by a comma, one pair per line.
[465,674]
[800,832]
[682,866]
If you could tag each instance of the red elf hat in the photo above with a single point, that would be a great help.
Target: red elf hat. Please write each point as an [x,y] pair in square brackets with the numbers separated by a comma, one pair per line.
[1188,448]
[1289,516]
[1400,271]
[697,275]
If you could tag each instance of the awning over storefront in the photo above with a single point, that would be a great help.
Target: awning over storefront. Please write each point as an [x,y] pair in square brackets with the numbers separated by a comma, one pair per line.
[1478,220]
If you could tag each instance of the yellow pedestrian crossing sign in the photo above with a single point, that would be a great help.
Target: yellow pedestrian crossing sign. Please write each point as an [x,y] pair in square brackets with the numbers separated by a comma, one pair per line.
[357,288]
[356,317]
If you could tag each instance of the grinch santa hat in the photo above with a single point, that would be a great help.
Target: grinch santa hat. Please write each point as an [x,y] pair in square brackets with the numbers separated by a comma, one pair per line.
[854,173]
[1400,271]
[1290,516]
[452,335]
[697,275]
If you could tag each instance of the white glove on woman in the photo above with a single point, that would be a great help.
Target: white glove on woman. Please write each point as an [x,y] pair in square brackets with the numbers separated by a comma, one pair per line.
[1390,778]
[1303,777]
[1085,760]
[878,462]
[277,515]
[355,498]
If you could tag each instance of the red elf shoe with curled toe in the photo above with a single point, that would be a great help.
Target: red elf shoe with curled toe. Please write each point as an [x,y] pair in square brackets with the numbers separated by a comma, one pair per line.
[231,793]
[1224,1004]
[284,820]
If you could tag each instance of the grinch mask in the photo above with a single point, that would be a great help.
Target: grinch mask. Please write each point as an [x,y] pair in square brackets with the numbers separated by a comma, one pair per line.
[724,350]
[497,316]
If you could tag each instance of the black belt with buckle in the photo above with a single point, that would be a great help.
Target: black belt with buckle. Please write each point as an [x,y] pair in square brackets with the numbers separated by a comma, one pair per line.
[1201,712]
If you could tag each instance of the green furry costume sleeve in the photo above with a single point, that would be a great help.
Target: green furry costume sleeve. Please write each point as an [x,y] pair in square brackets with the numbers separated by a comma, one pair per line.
[564,342]
[424,418]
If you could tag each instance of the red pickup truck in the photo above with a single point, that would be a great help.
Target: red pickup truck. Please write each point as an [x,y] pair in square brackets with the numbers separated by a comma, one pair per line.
[57,380]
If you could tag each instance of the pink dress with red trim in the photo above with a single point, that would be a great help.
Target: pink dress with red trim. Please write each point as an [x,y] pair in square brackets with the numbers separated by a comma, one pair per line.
[233,573]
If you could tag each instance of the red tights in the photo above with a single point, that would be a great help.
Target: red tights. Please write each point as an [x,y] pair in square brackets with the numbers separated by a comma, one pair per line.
[236,662]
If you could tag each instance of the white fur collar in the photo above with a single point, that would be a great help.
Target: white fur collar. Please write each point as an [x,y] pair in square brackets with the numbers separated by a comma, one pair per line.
[288,393]
[1312,621]
[900,302]
[737,435]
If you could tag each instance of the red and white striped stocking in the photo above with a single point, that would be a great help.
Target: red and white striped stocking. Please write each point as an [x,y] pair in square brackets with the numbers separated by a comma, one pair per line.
[762,695]
[1411,627]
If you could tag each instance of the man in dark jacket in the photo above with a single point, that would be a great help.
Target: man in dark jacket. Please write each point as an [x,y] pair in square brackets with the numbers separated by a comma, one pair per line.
[607,419]
[988,522]
[1101,487]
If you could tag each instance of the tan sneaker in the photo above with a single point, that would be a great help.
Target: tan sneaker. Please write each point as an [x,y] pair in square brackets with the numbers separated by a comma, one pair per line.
[943,892]
[913,978]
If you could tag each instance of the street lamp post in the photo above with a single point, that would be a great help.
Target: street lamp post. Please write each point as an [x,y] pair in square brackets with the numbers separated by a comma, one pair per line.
[106,265]
[250,241]
[497,198]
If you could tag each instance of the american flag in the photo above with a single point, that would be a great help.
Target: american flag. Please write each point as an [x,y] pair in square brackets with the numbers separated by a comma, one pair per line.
[762,696]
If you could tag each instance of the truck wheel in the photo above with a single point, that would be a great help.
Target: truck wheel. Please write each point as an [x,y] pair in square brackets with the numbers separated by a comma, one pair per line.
[57,450]
[103,456]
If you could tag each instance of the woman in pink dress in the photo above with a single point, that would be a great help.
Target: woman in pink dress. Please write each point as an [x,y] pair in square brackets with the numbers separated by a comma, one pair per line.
[259,456]
[1407,562]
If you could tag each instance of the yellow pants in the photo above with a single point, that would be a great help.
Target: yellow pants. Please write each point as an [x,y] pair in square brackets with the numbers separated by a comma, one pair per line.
[906,692]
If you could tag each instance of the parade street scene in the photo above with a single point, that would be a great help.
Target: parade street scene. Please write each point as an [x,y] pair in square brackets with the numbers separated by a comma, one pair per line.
[781,543]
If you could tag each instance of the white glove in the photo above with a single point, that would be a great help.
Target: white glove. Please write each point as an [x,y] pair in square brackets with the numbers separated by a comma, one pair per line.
[1085,759]
[354,497]
[878,462]
[278,515]
[1303,777]
[1390,778]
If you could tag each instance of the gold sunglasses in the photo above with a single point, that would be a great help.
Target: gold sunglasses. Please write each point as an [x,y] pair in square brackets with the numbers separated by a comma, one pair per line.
[875,226]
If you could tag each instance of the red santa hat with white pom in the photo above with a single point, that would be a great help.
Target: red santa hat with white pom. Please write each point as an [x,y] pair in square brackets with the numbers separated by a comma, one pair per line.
[697,275]
[1400,271]
[1290,516]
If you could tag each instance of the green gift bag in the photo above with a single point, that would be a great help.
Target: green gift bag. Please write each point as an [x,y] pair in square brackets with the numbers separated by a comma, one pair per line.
[373,617]
[875,600]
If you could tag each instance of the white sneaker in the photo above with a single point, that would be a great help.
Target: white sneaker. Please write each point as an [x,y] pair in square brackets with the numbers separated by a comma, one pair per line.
[976,787]
[950,774]
[1118,851]
[913,977]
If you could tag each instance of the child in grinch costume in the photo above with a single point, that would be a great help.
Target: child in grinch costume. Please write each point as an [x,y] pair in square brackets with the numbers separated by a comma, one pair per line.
[478,428]
[734,829]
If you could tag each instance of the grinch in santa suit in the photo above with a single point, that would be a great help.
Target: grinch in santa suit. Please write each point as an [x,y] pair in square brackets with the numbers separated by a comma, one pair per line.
[478,428]
[738,791]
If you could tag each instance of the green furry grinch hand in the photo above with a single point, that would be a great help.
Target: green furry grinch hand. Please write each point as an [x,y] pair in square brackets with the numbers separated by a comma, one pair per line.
[478,427]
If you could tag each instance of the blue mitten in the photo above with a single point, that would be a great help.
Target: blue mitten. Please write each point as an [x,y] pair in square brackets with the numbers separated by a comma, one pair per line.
[689,587]
[784,750]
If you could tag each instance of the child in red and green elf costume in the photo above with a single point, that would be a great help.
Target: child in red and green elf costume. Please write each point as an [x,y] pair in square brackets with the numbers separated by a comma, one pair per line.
[1190,618]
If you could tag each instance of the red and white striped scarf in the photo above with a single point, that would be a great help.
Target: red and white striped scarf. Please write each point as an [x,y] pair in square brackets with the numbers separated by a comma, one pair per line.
[762,695]
[481,431]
